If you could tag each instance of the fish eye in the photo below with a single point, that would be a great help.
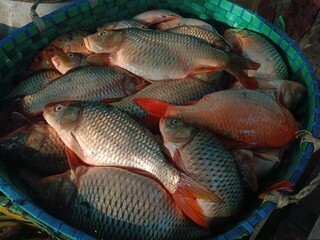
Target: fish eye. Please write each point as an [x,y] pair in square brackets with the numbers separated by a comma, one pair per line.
[175,122]
[70,55]
[57,108]
[101,34]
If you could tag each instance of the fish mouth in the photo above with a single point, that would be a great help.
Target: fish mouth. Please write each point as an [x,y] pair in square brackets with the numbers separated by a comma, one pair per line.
[55,61]
[87,43]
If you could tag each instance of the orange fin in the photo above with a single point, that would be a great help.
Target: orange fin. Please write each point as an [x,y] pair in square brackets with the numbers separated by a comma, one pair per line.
[152,106]
[73,159]
[178,161]
[99,59]
[186,195]
[284,185]
[205,70]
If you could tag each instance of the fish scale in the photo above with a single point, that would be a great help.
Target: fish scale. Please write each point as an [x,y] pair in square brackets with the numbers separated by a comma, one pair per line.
[113,203]
[34,83]
[102,135]
[120,130]
[256,48]
[92,83]
[171,91]
[167,54]
[212,37]
[205,158]
[38,148]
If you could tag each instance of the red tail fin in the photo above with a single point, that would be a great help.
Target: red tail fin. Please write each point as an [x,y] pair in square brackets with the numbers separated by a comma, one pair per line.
[152,106]
[186,195]
[282,185]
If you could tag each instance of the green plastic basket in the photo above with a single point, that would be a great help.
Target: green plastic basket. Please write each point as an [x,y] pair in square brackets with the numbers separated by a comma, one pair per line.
[17,49]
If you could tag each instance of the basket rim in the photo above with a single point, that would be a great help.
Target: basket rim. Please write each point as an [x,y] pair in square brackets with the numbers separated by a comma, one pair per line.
[245,227]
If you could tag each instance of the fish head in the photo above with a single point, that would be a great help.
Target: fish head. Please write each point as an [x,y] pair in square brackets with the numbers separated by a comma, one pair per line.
[43,59]
[63,62]
[63,115]
[56,191]
[291,94]
[175,131]
[104,42]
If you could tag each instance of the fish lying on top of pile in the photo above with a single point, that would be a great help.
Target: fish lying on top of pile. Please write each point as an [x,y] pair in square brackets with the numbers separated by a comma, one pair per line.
[221,101]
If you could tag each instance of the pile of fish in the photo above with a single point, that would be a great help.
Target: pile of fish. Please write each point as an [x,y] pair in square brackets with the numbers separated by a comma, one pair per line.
[155,127]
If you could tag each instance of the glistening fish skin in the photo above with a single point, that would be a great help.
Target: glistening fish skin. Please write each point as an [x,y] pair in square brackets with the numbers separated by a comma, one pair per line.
[288,93]
[71,42]
[103,135]
[184,22]
[205,158]
[256,48]
[161,55]
[125,23]
[64,62]
[34,83]
[172,91]
[156,16]
[37,148]
[92,83]
[250,118]
[212,37]
[113,203]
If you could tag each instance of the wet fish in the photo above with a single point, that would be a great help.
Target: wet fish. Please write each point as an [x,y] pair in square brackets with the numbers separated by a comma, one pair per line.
[124,23]
[212,37]
[171,91]
[253,46]
[71,42]
[103,135]
[184,22]
[288,93]
[64,62]
[113,203]
[91,83]
[262,161]
[202,156]
[159,55]
[37,148]
[34,83]
[43,59]
[248,118]
[156,16]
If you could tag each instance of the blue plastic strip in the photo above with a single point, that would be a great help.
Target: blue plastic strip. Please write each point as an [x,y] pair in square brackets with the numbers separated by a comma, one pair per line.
[56,225]
[260,213]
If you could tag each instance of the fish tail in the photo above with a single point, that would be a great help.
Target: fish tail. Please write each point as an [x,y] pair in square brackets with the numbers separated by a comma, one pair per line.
[152,106]
[186,195]
[284,185]
[236,66]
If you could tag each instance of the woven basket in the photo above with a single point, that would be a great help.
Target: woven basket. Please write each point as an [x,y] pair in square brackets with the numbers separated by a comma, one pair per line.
[18,49]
